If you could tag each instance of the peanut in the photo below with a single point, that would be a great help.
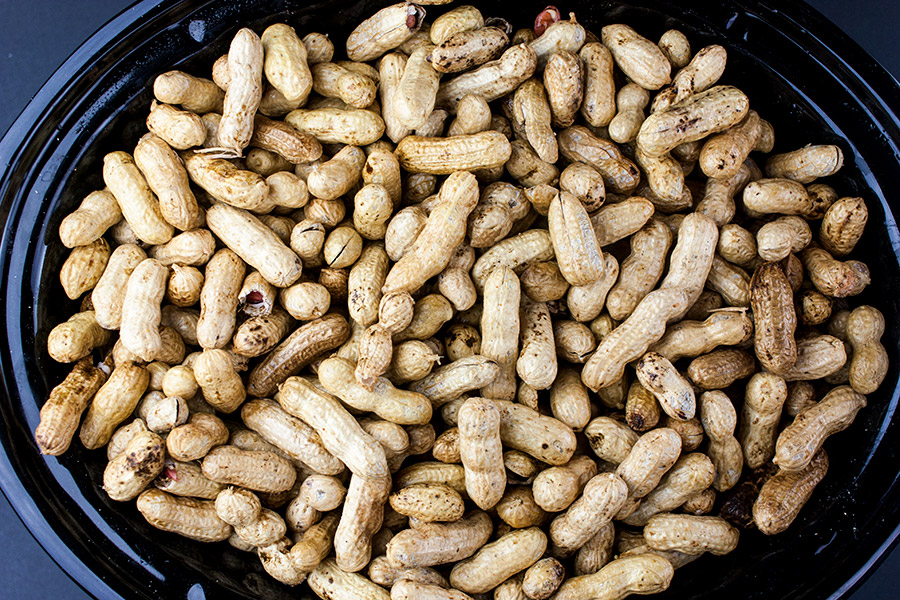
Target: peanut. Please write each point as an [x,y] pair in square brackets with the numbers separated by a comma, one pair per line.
[784,494]
[763,402]
[691,535]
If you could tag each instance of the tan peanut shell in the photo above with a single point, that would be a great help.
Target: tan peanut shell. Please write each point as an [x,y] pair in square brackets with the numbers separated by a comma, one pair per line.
[194,519]
[694,338]
[361,517]
[466,49]
[490,80]
[674,393]
[383,31]
[640,272]
[481,451]
[843,225]
[784,494]
[252,469]
[138,204]
[692,474]
[833,277]
[536,364]
[578,144]
[113,402]
[574,242]
[806,164]
[244,93]
[76,338]
[497,561]
[180,129]
[166,176]
[639,58]
[194,439]
[764,398]
[643,574]
[773,309]
[721,368]
[719,421]
[328,580]
[602,498]
[97,212]
[428,502]
[62,410]
[691,535]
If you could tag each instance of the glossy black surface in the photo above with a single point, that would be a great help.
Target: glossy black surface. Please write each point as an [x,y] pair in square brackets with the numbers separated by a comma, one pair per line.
[108,547]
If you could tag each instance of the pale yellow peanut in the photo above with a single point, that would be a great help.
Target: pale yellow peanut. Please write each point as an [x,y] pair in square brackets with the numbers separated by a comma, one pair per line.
[578,144]
[457,377]
[335,177]
[481,451]
[566,35]
[62,410]
[780,196]
[238,507]
[438,543]
[614,222]
[724,153]
[676,47]
[414,98]
[428,316]
[322,492]
[329,580]
[630,102]
[443,156]
[693,338]
[531,110]
[641,408]
[818,356]
[649,459]
[526,167]
[122,436]
[285,64]
[97,212]
[586,183]
[602,498]
[575,244]
[599,106]
[138,203]
[718,196]
[631,339]
[674,393]
[526,248]
[806,164]
[704,69]
[454,281]
[596,552]
[307,240]
[221,385]
[639,58]
[319,48]
[692,474]
[843,225]
[305,301]
[543,578]
[428,502]
[114,401]
[360,519]
[642,269]
[183,288]
[372,208]
[407,589]
[192,93]
[643,574]
[244,93]
[569,400]
[287,190]
[186,479]
[382,168]
[491,80]
[193,440]
[194,519]
[833,277]
[500,330]
[315,544]
[665,185]
[384,31]
[764,398]
[497,561]
[167,178]
[711,111]
[692,257]
[784,494]
[397,310]
[76,338]
[266,529]
[525,429]
[194,247]
[411,361]
[868,366]
[180,129]
[518,509]
[690,534]
[162,413]
[335,125]
[364,284]
[737,245]
[227,183]
[586,302]
[556,488]
[778,238]
[564,83]
[258,335]
[342,247]
[446,446]
[255,470]
[730,281]
[391,69]
[466,49]
[141,309]
[537,364]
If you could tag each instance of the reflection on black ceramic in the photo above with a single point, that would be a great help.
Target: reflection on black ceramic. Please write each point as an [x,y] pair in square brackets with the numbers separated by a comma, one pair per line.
[803,75]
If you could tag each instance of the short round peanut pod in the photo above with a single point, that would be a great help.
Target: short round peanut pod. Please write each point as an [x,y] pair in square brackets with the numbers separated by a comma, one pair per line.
[543,578]
[238,507]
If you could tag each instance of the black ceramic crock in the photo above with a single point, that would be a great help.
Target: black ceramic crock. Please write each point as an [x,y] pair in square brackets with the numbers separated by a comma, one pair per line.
[801,73]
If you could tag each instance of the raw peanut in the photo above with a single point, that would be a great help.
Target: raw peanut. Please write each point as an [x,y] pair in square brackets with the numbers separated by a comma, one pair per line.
[122,436]
[244,93]
[564,83]
[463,341]
[406,589]
[704,70]
[167,178]
[438,543]
[599,106]
[499,560]
[279,137]
[331,80]
[708,112]
[737,245]
[806,164]
[184,286]
[674,393]
[290,435]
[584,182]
[641,408]
[442,233]
[396,311]
[543,578]
[817,357]
[342,247]
[521,465]
[784,494]
[257,296]
[869,364]
[429,315]
[641,271]
[428,502]
[692,474]
[382,168]
[296,351]
[801,395]
[651,456]
[665,182]
[300,517]
[162,413]
[536,364]
[561,36]
[526,167]
[491,80]
[194,248]
[222,386]
[603,496]
[382,572]
[334,178]
[574,242]
[777,239]
[258,335]
[574,341]
[446,446]
[610,440]
[392,437]
[676,47]
[219,299]
[691,431]
[372,210]
[227,183]
[113,403]
[315,544]
[578,144]
[364,284]
[456,378]
[180,129]
[463,18]
[544,438]
[384,31]
[192,93]
[138,204]
[289,191]
[361,518]
[630,102]
[255,470]
[596,552]
[557,487]
[454,281]
[76,338]
[62,410]
[631,339]
[518,509]
[540,196]
[802,439]
[613,397]
[329,580]
[285,64]
[833,277]
[843,225]
[723,154]
[194,440]
[319,48]
[585,302]
[719,369]
[694,338]
[531,110]
[186,479]
[781,196]
[639,58]
[97,212]
[763,401]
[267,529]
[466,49]
[691,535]
[418,188]
[194,519]
[614,222]
[122,233]
[307,240]
[693,256]
[701,503]
[718,196]
[443,156]
[500,330]
[414,98]
[141,309]
[773,309]
[238,507]
[719,421]
[358,127]
[643,574]
[481,451]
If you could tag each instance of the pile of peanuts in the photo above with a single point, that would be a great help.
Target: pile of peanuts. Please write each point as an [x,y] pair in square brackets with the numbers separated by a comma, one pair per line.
[478,245]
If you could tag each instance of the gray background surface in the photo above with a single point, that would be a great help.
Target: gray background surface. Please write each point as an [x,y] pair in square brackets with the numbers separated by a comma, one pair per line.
[38,35]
